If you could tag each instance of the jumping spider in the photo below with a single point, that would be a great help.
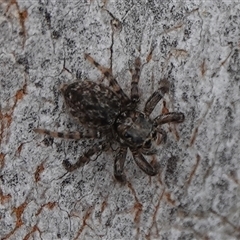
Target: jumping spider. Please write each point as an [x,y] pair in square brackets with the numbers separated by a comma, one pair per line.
[109,114]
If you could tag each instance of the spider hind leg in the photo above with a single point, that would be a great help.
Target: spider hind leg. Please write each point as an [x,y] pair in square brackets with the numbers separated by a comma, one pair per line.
[135,80]
[84,159]
[112,81]
[85,133]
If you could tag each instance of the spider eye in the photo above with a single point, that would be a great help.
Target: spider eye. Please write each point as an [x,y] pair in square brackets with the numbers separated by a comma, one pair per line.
[141,115]
[148,143]
[126,135]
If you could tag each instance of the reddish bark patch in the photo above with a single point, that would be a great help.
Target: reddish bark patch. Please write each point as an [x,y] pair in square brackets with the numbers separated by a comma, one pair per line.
[38,172]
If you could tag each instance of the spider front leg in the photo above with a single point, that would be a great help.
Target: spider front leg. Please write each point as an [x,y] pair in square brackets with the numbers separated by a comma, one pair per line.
[163,135]
[112,81]
[85,158]
[135,80]
[175,117]
[156,97]
[144,165]
[85,133]
[119,164]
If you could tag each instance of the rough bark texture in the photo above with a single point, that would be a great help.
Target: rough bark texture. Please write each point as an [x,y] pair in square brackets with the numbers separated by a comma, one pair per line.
[195,45]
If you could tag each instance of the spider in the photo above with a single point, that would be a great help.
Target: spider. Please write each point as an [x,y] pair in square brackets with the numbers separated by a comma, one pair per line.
[108,114]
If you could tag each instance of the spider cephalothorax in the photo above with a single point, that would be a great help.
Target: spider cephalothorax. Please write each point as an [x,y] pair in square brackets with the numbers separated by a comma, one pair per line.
[135,130]
[109,114]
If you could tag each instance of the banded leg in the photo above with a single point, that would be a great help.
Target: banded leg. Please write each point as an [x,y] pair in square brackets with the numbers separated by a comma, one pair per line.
[175,117]
[112,81]
[135,80]
[144,165]
[86,133]
[85,158]
[156,97]
[119,165]
[164,135]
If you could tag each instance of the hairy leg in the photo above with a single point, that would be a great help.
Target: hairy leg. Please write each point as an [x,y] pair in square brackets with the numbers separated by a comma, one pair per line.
[144,165]
[112,81]
[163,135]
[85,158]
[85,133]
[156,97]
[175,117]
[119,164]
[135,80]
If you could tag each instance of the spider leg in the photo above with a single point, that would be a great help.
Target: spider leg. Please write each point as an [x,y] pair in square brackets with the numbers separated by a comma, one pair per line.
[135,80]
[119,164]
[112,81]
[164,135]
[85,158]
[85,133]
[176,117]
[144,165]
[156,97]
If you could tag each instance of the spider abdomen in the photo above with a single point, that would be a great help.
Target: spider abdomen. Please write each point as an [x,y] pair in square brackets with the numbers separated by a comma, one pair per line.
[91,103]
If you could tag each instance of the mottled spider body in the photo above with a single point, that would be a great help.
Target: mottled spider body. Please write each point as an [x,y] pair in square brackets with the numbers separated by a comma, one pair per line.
[109,114]
[93,104]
